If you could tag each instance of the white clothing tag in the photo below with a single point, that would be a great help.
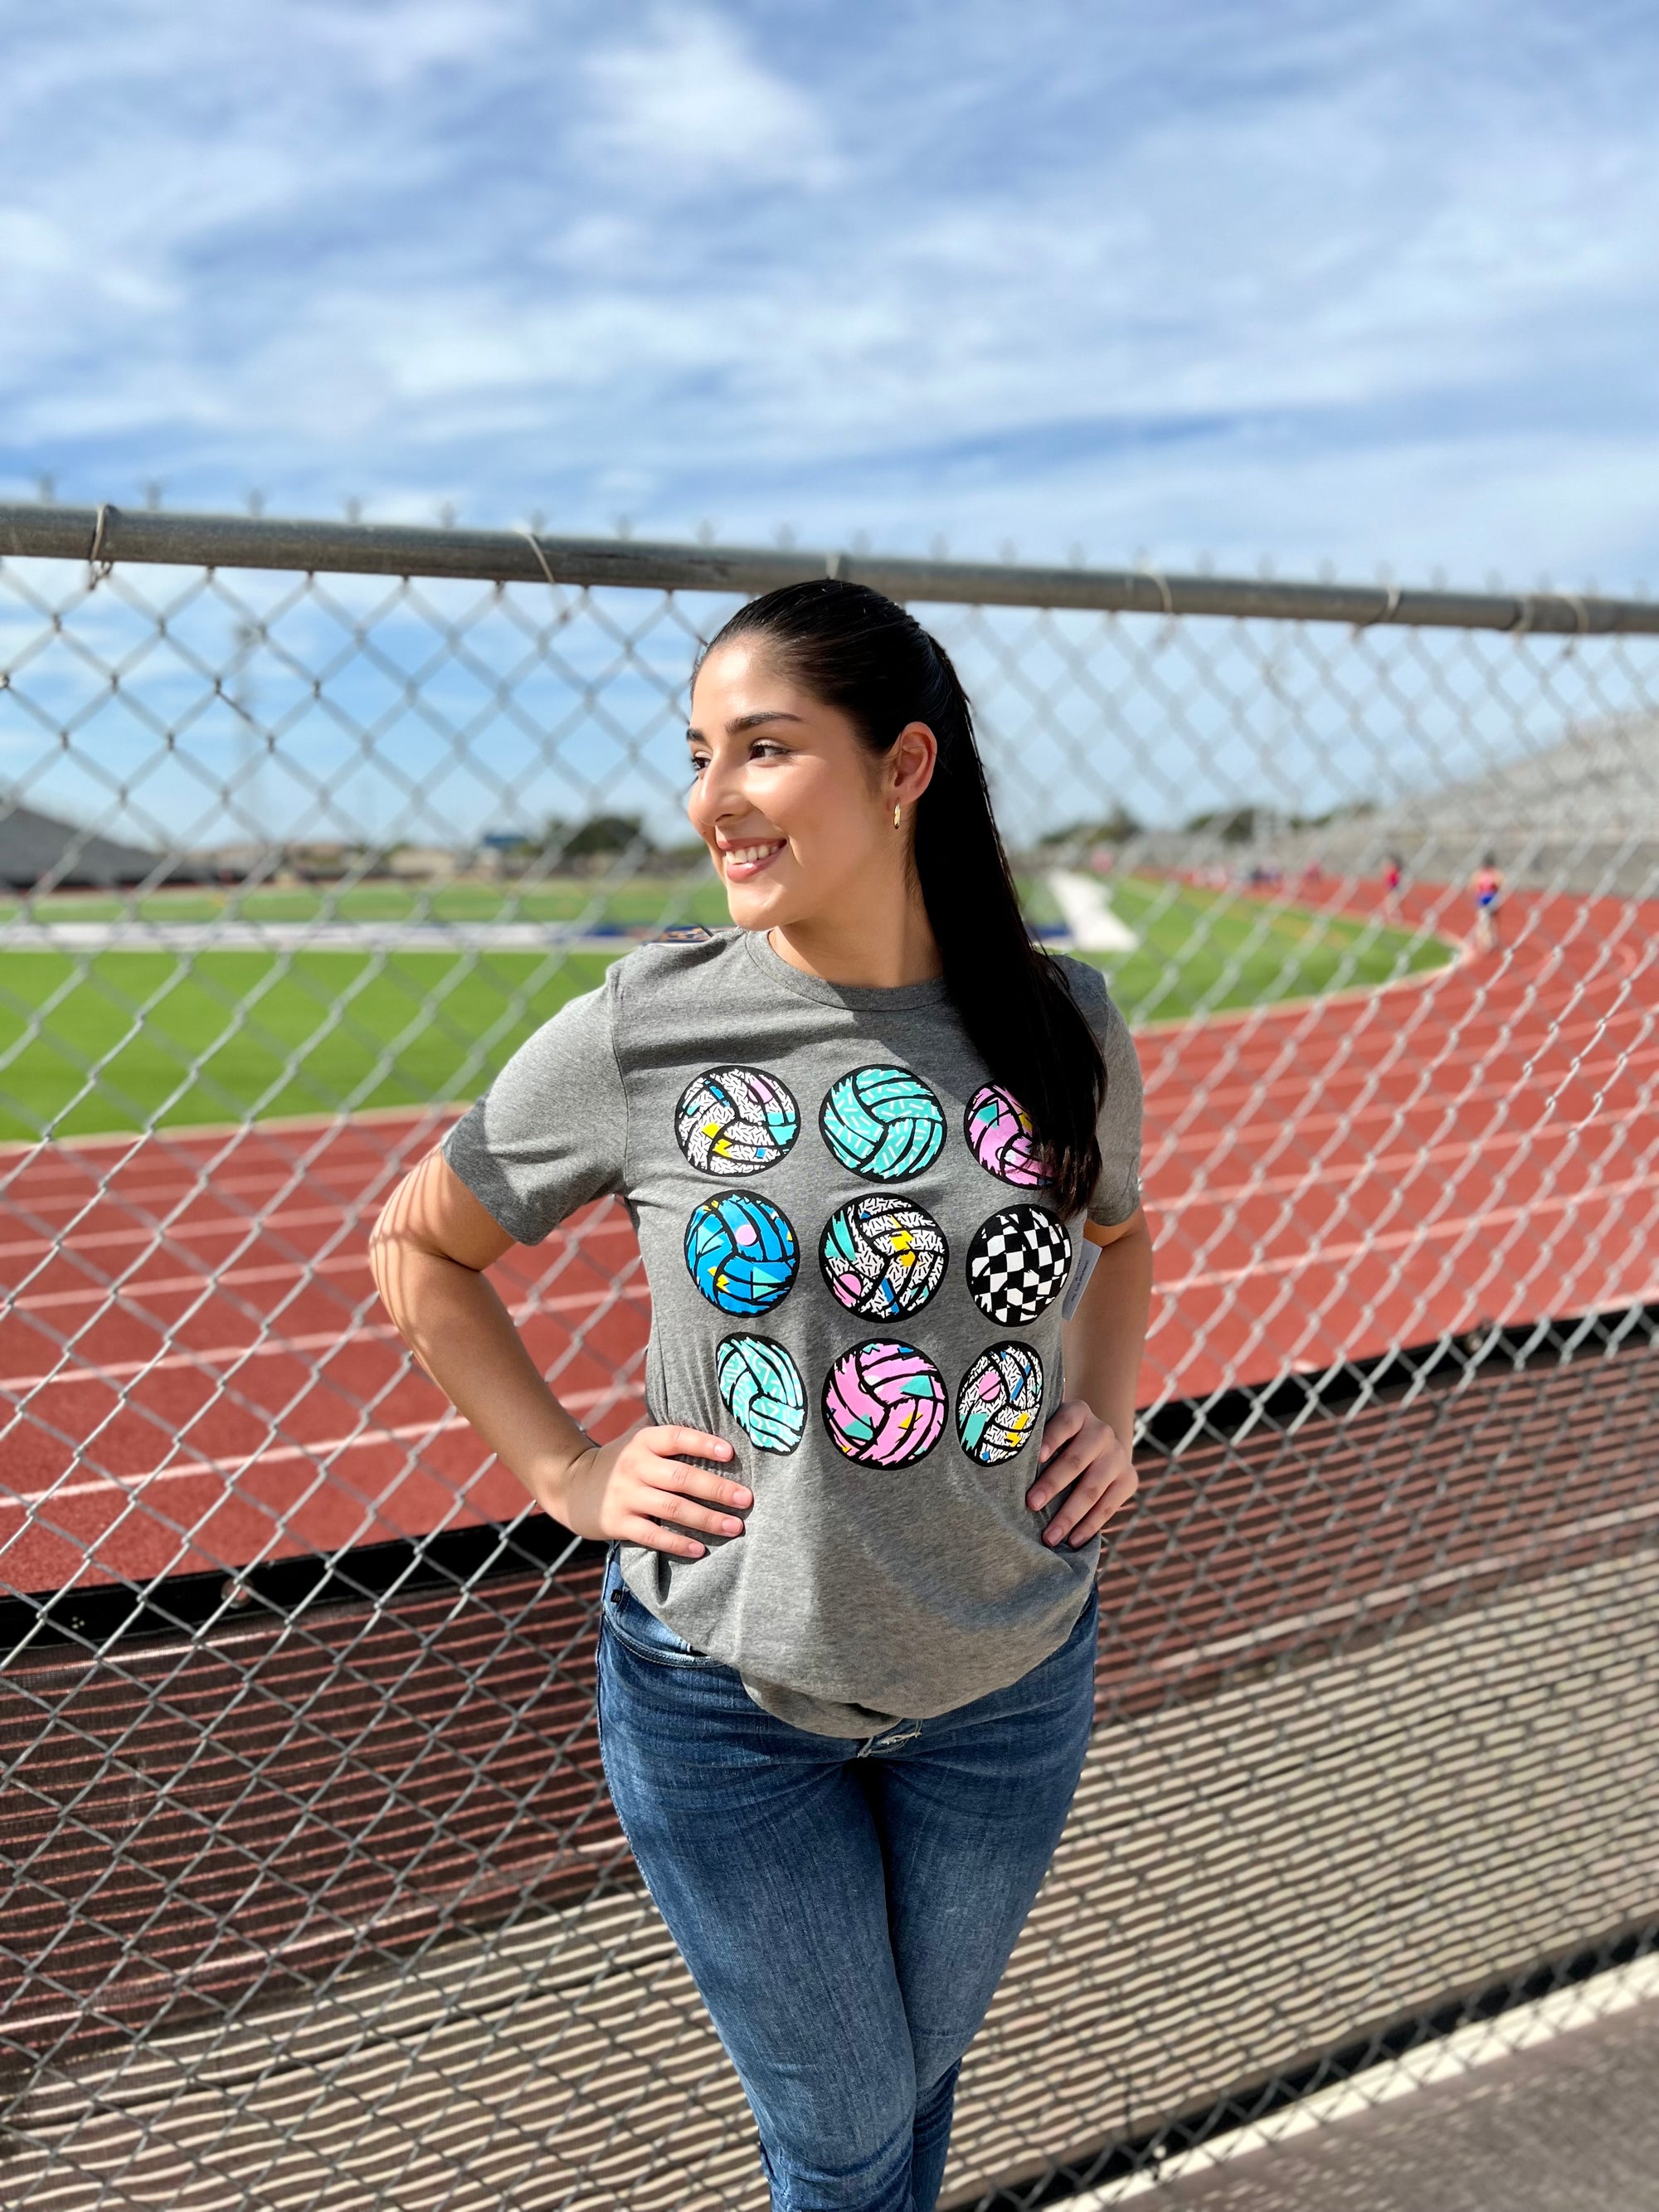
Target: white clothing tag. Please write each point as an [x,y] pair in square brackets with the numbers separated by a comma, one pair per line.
[1079,1282]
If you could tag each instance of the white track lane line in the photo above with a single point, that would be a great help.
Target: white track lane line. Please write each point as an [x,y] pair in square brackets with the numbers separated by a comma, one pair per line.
[225,1355]
[231,1468]
[1293,1263]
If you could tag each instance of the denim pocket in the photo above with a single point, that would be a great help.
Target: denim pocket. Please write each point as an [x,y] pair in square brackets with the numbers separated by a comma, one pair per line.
[637,1627]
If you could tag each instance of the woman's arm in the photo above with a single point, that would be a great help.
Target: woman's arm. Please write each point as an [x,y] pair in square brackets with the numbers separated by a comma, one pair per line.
[429,1252]
[1088,1441]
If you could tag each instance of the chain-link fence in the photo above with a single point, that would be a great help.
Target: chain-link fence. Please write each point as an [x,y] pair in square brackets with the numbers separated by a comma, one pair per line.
[315,1898]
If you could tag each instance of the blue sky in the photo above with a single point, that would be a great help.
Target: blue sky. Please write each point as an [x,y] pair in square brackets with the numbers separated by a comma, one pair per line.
[1371,286]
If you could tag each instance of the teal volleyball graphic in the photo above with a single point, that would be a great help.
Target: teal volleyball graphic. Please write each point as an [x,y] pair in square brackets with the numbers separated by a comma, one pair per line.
[883,1122]
[741,1253]
[762,1389]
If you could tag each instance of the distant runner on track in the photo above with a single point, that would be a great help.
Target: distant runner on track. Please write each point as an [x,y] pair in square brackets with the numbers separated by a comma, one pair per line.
[1394,875]
[1488,885]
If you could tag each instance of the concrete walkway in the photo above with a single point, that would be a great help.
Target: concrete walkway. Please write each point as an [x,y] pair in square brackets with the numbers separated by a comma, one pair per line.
[1563,2119]
[1088,913]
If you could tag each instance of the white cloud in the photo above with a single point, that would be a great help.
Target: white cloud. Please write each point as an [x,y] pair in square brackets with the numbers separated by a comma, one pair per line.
[689,101]
[1130,281]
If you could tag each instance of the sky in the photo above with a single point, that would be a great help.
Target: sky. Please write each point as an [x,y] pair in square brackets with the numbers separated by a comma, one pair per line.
[1375,288]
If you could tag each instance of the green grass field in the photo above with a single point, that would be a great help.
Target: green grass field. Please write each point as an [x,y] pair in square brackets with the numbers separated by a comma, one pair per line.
[123,1039]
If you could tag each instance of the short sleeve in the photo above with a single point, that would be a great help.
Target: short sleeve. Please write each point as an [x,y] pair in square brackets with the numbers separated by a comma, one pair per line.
[550,1132]
[1117,1192]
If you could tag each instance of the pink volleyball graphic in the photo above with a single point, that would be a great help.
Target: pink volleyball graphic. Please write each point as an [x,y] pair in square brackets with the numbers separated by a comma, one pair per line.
[1001,1139]
[884,1404]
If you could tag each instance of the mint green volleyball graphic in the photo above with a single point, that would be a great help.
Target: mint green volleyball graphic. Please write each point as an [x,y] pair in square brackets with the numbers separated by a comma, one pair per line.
[762,1389]
[883,1122]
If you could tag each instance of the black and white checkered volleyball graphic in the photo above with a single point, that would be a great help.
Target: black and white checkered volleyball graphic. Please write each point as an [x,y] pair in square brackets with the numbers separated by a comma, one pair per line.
[1017,1263]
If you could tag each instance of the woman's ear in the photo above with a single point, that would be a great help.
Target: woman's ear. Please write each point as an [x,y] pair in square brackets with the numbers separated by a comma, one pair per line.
[911,761]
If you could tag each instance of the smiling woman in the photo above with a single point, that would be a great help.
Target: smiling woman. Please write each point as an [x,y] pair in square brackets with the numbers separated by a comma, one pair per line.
[853,1552]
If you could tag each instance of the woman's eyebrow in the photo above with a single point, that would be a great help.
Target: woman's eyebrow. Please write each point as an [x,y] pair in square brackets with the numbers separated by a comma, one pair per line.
[744,722]
[754,721]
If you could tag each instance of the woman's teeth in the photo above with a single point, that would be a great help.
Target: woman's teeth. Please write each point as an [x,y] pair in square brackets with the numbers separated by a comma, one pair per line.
[750,856]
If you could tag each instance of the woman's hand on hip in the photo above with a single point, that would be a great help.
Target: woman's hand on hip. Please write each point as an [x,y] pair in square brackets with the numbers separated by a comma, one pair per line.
[1090,1462]
[626,1488]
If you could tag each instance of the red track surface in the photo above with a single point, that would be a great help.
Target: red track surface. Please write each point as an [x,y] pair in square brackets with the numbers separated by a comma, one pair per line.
[201,1377]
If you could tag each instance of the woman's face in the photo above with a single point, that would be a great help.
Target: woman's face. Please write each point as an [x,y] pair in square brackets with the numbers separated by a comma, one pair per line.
[796,811]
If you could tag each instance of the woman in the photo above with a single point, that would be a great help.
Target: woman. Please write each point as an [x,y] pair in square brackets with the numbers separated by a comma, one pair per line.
[870,1139]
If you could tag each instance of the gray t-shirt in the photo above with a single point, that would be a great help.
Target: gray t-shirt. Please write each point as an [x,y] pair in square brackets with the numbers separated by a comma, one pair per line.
[853,1277]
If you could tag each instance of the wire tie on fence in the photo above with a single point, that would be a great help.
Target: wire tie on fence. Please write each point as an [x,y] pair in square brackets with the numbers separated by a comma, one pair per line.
[1576,603]
[96,557]
[1522,623]
[535,544]
[832,566]
[1390,609]
[1163,590]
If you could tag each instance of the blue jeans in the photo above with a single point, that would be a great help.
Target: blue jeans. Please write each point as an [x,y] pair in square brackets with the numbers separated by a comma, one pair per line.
[846,1905]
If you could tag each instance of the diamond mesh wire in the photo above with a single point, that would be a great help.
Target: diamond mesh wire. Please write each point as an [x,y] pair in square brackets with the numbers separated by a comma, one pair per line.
[315,1897]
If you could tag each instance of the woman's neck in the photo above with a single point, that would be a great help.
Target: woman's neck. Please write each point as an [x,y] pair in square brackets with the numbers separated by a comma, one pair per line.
[874,950]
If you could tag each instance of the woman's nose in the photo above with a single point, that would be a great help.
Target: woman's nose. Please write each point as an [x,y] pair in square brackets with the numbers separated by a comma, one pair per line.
[712,797]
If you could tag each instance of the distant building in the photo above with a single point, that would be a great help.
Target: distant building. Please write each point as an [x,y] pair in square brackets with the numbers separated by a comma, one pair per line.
[430,863]
[38,849]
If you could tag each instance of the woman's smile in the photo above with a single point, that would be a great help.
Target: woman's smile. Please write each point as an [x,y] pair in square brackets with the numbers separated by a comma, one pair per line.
[739,862]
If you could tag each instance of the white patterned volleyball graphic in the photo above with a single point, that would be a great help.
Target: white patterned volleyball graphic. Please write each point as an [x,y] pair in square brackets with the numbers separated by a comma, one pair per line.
[999,1404]
[735,1120]
[883,1122]
[761,1388]
[883,1256]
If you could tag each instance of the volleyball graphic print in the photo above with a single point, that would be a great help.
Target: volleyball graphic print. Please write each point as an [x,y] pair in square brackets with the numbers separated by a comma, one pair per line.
[741,1253]
[1017,1264]
[999,1403]
[1001,1139]
[882,1257]
[883,1122]
[735,1120]
[762,1389]
[883,1404]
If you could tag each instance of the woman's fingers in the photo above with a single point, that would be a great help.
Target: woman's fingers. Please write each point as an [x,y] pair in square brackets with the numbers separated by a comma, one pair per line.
[670,1442]
[632,1530]
[1073,1437]
[671,1505]
[1103,1479]
[1062,1425]
[1067,1466]
[696,1481]
[1086,1512]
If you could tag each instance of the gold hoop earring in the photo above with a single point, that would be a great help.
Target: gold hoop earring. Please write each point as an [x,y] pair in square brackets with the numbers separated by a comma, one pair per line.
[896,814]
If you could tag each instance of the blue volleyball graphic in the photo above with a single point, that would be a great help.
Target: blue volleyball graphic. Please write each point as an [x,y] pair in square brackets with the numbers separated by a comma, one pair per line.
[883,1122]
[741,1253]
[762,1389]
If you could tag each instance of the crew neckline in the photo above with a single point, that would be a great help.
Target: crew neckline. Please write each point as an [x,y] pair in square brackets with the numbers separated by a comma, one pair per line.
[860,998]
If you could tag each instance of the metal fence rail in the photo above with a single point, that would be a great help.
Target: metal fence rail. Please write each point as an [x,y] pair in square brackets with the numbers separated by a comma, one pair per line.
[315,1894]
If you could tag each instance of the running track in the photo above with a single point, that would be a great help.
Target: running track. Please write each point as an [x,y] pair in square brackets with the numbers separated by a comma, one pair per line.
[196,1375]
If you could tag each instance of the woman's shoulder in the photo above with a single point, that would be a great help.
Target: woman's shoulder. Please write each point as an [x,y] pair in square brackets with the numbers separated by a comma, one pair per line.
[1088,990]
[679,955]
